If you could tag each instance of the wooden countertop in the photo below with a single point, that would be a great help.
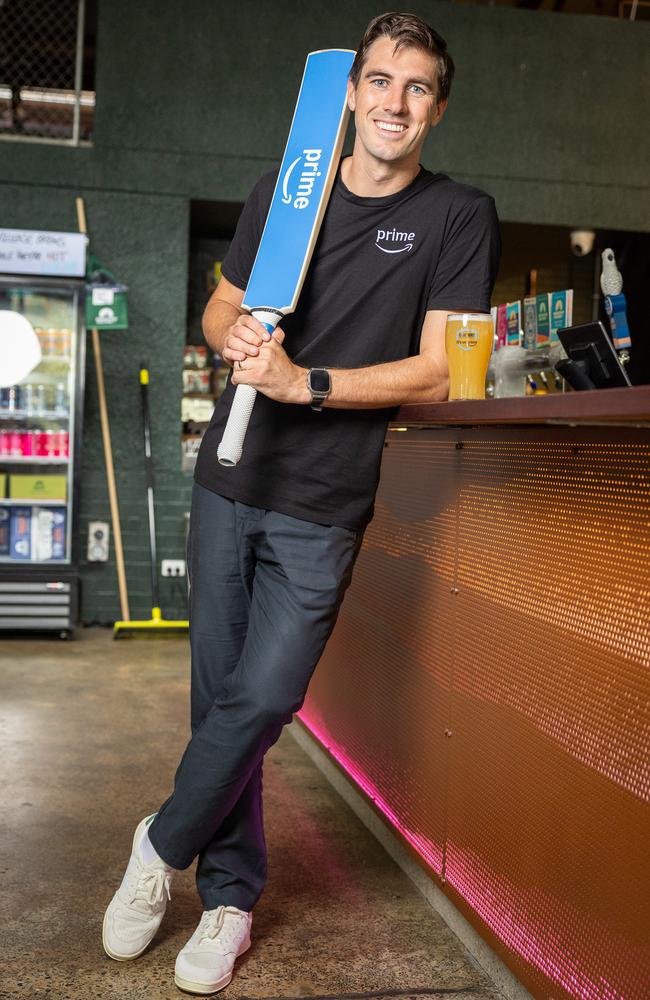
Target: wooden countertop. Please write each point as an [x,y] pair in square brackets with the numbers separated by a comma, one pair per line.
[630,406]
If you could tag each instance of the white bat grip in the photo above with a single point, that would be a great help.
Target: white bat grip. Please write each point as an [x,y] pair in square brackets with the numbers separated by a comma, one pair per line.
[232,442]
[230,447]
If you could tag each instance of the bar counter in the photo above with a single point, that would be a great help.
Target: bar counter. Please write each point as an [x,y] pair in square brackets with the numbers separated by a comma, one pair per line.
[603,406]
[487,685]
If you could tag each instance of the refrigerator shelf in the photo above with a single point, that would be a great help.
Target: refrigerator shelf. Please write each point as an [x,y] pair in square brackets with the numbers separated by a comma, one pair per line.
[41,502]
[34,415]
[33,562]
[32,460]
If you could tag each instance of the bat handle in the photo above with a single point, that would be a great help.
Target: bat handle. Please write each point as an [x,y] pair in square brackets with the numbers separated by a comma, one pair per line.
[230,447]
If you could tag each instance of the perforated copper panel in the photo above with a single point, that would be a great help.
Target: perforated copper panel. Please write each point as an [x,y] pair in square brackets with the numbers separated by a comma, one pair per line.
[487,685]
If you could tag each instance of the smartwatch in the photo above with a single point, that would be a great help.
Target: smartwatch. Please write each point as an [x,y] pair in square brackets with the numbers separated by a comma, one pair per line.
[319,384]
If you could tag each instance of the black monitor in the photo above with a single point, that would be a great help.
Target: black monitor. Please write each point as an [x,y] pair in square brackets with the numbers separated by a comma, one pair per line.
[592,361]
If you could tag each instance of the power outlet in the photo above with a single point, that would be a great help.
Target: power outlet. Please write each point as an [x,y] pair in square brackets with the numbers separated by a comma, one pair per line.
[98,537]
[173,567]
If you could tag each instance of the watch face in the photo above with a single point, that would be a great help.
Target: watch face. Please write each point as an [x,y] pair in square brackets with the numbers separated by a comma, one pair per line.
[319,380]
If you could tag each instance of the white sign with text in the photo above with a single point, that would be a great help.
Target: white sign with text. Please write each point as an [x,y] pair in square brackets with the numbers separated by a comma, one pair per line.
[32,251]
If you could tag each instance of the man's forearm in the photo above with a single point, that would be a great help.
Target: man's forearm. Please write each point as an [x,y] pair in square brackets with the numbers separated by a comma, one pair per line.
[419,379]
[218,317]
[422,378]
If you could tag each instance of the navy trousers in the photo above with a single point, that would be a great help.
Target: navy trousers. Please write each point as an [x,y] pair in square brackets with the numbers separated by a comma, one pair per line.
[265,591]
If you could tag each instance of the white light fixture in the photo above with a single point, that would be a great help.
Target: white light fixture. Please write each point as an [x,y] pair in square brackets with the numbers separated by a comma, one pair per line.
[20,348]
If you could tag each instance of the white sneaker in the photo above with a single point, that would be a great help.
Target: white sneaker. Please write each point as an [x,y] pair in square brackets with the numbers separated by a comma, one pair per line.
[137,908]
[206,962]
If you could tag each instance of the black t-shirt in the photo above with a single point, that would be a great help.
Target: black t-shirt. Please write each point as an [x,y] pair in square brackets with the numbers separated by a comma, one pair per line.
[379,264]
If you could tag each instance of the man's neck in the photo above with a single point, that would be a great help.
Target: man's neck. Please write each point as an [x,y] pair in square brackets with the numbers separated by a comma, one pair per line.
[373,179]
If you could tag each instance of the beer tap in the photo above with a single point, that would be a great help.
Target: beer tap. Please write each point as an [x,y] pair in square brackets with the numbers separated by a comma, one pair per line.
[611,283]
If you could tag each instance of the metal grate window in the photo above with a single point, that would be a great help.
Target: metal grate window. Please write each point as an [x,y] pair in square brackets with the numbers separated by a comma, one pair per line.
[46,70]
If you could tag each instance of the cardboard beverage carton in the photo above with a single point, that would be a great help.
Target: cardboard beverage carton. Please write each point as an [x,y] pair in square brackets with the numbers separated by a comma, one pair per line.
[5,517]
[27,487]
[530,323]
[561,312]
[513,321]
[543,319]
[48,524]
[20,533]
[502,326]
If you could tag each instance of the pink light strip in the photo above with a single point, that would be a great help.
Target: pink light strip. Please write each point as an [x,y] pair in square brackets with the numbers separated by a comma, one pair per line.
[425,847]
[498,903]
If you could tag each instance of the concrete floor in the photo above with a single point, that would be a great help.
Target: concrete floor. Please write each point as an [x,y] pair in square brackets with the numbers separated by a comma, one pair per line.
[91,732]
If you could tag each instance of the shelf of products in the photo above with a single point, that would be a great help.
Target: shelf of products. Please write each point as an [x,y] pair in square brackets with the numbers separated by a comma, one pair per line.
[40,462]
[204,379]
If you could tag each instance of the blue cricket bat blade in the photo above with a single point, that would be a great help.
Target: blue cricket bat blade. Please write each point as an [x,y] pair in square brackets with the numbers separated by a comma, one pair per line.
[302,190]
[304,183]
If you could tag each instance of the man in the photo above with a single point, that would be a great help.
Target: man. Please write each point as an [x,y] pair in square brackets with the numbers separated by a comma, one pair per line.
[273,540]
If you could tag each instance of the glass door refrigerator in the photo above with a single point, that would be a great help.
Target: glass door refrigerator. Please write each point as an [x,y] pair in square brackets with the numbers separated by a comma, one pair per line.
[40,461]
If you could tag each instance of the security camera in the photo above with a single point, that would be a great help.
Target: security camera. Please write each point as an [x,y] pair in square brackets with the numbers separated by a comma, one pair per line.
[582,242]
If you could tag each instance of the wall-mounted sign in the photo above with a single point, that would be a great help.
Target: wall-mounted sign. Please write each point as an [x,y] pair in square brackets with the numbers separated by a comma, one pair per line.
[106,307]
[32,251]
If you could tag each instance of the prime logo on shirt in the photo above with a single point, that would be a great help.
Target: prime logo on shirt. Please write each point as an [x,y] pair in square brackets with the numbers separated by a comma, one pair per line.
[394,241]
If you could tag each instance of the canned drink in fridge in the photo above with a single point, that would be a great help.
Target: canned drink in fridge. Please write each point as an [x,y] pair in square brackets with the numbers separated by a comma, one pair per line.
[44,342]
[58,444]
[40,444]
[50,443]
[39,399]
[60,401]
[27,442]
[14,443]
[4,442]
[27,397]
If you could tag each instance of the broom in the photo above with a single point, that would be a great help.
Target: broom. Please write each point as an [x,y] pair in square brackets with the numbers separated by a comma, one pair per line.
[156,624]
[108,449]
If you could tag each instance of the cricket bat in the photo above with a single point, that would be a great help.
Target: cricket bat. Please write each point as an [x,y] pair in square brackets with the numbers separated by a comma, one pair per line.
[302,190]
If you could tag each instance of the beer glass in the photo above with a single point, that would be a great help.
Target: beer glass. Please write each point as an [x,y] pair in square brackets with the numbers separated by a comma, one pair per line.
[469,340]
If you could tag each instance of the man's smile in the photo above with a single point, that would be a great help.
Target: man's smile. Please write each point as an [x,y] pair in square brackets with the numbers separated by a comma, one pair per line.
[388,126]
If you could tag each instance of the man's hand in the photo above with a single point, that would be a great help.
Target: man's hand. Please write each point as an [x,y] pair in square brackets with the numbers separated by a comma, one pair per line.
[243,339]
[264,363]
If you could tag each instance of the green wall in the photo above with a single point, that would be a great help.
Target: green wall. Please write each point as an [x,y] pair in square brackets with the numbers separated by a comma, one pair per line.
[193,102]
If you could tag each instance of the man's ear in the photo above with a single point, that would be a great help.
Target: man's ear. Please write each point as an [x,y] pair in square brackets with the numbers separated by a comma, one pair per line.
[351,96]
[437,116]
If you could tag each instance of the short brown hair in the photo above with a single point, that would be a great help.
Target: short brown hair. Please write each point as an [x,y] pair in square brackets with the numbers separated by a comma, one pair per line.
[407,30]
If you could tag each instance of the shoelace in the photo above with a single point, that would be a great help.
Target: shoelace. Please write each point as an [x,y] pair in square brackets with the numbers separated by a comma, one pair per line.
[213,920]
[152,886]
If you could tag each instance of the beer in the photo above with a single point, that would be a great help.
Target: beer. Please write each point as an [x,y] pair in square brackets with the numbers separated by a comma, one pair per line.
[468,342]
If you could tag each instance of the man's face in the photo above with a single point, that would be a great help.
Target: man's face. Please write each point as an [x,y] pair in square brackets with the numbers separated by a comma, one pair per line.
[395,101]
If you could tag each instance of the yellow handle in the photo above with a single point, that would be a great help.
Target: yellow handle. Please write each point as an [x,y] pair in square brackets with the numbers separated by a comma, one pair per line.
[144,376]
